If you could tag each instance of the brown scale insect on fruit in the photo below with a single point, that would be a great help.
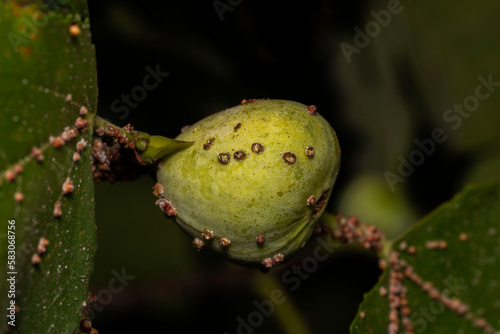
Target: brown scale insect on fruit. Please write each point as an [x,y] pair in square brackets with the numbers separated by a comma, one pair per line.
[224,158]
[240,155]
[309,151]
[208,144]
[198,244]
[224,242]
[289,158]
[208,234]
[257,148]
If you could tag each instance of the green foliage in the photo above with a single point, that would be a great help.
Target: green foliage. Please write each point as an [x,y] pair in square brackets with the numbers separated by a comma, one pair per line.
[465,270]
[47,76]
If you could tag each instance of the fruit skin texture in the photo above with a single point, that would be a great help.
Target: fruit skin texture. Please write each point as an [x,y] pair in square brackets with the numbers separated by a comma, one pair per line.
[261,194]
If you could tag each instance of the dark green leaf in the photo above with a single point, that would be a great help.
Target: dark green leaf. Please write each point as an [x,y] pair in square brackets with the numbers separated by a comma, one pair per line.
[464,271]
[47,75]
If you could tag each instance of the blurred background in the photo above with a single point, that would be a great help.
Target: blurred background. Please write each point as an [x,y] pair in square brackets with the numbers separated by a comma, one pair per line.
[383,73]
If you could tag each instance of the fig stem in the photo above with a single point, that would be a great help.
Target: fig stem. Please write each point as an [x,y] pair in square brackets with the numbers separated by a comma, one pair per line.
[149,149]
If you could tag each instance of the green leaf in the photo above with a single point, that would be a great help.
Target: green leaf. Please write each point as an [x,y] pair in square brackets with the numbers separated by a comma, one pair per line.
[47,75]
[465,271]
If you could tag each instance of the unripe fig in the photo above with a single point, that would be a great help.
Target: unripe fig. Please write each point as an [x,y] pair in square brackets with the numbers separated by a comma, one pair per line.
[257,177]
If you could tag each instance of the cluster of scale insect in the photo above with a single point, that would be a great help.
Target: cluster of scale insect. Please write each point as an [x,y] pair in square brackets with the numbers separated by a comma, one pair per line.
[401,272]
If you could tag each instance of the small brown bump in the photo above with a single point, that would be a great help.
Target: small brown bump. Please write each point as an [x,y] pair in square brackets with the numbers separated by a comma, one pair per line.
[67,134]
[36,154]
[224,242]
[131,145]
[72,133]
[83,111]
[412,250]
[245,101]
[76,156]
[382,264]
[93,331]
[311,200]
[237,127]
[129,128]
[309,151]
[289,158]
[403,245]
[68,98]
[362,315]
[185,128]
[81,124]
[257,148]
[110,131]
[480,323]
[58,142]
[35,259]
[278,259]
[312,110]
[382,291]
[9,175]
[267,262]
[42,245]
[240,155]
[67,186]
[208,234]
[123,139]
[168,208]
[260,239]
[74,30]
[100,131]
[224,158]
[92,297]
[18,196]
[18,169]
[208,144]
[198,244]
[463,237]
[117,133]
[57,209]
[158,190]
[80,146]
[85,325]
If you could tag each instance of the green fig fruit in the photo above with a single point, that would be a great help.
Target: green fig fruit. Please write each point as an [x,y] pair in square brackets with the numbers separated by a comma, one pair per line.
[254,182]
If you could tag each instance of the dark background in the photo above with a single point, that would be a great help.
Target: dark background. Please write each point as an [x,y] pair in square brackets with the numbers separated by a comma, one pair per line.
[391,93]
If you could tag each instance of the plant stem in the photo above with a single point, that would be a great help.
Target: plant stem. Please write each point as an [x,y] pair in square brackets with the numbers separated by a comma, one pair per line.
[149,149]
[286,313]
